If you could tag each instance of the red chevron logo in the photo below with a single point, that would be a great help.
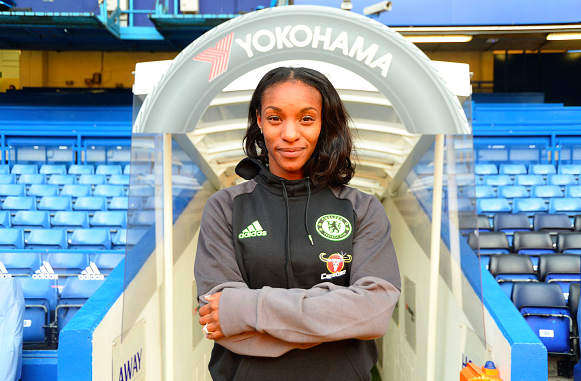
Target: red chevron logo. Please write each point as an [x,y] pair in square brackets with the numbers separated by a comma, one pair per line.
[217,56]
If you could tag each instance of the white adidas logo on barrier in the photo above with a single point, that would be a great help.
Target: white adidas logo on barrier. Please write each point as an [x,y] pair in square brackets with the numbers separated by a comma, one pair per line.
[4,272]
[45,272]
[91,273]
[253,230]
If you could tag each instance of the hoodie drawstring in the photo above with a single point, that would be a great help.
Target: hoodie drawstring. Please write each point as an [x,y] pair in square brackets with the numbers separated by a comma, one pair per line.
[288,266]
[308,185]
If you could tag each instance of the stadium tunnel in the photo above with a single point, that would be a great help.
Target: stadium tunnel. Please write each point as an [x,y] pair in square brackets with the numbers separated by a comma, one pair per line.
[414,152]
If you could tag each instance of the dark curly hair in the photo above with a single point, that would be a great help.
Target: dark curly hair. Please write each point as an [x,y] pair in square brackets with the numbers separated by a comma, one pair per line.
[330,163]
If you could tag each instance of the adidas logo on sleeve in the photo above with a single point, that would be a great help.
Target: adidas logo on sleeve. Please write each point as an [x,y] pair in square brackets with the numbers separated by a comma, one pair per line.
[253,230]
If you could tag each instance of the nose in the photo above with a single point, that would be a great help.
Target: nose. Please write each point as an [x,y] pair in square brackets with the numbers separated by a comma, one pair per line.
[290,131]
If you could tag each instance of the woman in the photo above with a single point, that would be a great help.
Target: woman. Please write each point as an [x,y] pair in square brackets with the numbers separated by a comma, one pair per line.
[296,272]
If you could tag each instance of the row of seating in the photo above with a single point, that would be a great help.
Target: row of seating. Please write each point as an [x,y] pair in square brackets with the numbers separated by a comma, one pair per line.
[509,223]
[491,206]
[483,169]
[527,180]
[520,191]
[58,239]
[53,190]
[56,203]
[29,179]
[34,219]
[86,169]
[524,242]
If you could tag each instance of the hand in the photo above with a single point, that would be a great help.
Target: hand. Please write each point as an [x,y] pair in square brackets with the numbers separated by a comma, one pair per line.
[209,315]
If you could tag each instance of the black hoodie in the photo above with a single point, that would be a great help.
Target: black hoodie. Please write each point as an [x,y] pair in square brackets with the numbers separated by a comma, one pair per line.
[308,277]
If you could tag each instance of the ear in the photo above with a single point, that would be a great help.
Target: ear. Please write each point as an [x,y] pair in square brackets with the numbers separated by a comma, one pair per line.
[259,120]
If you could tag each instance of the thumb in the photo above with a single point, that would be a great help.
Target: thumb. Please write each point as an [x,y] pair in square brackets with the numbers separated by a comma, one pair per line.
[209,298]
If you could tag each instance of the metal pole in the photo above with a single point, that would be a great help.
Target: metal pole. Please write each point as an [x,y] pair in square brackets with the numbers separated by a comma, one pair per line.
[168,337]
[435,257]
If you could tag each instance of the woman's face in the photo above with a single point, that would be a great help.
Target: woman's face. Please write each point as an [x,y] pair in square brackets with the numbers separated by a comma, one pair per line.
[290,121]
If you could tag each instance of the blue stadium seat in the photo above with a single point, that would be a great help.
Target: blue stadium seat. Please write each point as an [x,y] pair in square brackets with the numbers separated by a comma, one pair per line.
[62,180]
[71,220]
[561,180]
[81,169]
[508,269]
[573,191]
[7,178]
[542,169]
[544,308]
[109,169]
[40,297]
[92,179]
[480,191]
[90,239]
[119,239]
[533,244]
[150,202]
[4,169]
[90,204]
[529,205]
[562,269]
[75,293]
[570,169]
[32,178]
[119,180]
[76,190]
[141,218]
[47,239]
[18,263]
[494,180]
[12,190]
[512,169]
[5,219]
[569,243]
[112,220]
[106,262]
[19,203]
[109,191]
[12,238]
[20,169]
[490,206]
[546,191]
[53,169]
[489,242]
[141,190]
[529,180]
[55,203]
[41,190]
[68,263]
[568,205]
[31,219]
[552,223]
[127,238]
[137,169]
[119,203]
[513,191]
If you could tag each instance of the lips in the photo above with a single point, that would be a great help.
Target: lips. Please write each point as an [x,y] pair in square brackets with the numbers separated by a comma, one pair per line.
[290,152]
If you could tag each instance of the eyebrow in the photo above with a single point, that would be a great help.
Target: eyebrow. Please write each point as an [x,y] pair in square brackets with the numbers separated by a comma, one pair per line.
[301,110]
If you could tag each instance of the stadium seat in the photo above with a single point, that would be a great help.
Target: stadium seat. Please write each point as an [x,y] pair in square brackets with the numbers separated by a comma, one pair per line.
[55,203]
[489,242]
[570,169]
[561,180]
[53,169]
[544,308]
[513,191]
[7,178]
[137,169]
[19,264]
[529,180]
[119,203]
[71,220]
[542,169]
[490,206]
[529,205]
[141,190]
[41,190]
[75,294]
[12,190]
[40,297]
[512,169]
[119,180]
[80,169]
[12,238]
[573,191]
[90,204]
[109,169]
[546,191]
[119,239]
[31,178]
[109,191]
[46,239]
[31,219]
[562,269]
[497,180]
[92,179]
[5,219]
[68,263]
[568,205]
[552,223]
[62,180]
[569,243]
[577,222]
[573,303]
[508,269]
[150,202]
[90,239]
[141,218]
[14,203]
[484,191]
[20,169]
[510,223]
[112,220]
[76,190]
[127,238]
[106,262]
[4,169]
[532,244]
